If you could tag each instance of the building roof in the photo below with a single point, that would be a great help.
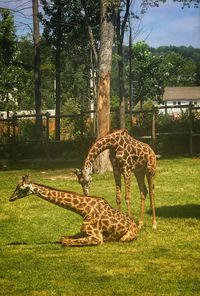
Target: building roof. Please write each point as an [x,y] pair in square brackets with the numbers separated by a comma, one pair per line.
[182,93]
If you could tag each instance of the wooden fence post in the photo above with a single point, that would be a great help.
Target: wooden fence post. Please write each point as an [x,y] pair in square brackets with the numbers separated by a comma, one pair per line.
[14,120]
[153,133]
[190,128]
[82,123]
[47,134]
[14,150]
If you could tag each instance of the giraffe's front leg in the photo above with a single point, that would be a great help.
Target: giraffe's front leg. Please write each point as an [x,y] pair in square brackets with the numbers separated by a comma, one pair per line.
[117,177]
[131,234]
[127,181]
[89,235]
[88,240]
[75,236]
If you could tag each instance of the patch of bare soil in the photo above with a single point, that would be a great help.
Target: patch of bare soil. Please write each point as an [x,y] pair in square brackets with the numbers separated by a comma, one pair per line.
[70,176]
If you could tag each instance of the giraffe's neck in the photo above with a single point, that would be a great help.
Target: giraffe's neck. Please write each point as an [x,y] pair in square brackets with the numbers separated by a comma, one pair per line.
[66,199]
[108,142]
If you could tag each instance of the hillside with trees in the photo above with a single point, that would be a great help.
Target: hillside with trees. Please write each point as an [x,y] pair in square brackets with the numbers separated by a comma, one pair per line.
[152,70]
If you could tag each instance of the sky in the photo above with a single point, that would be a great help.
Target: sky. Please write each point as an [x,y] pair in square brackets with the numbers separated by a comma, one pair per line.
[167,24]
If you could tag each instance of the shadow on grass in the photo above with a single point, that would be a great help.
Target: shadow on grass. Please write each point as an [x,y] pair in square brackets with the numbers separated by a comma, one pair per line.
[39,164]
[42,243]
[178,211]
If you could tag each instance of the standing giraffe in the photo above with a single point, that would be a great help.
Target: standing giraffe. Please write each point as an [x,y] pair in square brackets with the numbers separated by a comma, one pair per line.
[101,221]
[127,156]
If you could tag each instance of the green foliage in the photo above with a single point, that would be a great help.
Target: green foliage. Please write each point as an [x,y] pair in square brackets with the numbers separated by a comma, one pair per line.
[15,80]
[7,37]
[63,23]
[153,69]
[146,106]
[7,57]
[184,64]
[148,73]
[165,262]
[179,70]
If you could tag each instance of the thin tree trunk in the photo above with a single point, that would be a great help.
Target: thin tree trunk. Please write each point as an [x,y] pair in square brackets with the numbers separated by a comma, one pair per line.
[58,94]
[130,78]
[58,74]
[120,38]
[37,73]
[90,33]
[121,88]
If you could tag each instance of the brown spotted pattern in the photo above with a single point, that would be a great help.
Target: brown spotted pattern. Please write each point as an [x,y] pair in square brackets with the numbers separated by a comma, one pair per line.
[100,221]
[128,156]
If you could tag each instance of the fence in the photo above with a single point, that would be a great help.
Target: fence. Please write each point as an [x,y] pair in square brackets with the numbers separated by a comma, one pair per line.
[165,132]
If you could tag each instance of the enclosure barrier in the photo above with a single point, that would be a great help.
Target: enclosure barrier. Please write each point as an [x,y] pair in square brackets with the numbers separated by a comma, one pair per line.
[158,127]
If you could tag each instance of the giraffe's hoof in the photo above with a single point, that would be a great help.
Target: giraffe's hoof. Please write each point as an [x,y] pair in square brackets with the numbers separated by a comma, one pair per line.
[154,226]
[62,239]
[140,224]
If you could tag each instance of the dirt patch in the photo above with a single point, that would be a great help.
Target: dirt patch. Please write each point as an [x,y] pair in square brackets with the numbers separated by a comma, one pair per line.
[71,177]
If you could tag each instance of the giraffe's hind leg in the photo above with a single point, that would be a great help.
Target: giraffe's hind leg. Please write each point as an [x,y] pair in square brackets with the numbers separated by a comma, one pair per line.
[117,177]
[150,179]
[140,175]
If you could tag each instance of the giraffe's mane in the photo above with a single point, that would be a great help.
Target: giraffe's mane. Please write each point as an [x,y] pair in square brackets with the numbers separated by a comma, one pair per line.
[66,191]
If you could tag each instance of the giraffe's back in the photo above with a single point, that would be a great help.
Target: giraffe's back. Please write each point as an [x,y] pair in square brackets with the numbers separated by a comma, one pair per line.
[112,223]
[132,154]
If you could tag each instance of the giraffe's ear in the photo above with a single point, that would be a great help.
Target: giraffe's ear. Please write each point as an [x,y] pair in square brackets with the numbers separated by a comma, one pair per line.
[77,172]
[25,178]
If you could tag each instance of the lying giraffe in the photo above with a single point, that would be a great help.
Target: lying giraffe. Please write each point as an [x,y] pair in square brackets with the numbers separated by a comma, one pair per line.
[101,221]
[127,156]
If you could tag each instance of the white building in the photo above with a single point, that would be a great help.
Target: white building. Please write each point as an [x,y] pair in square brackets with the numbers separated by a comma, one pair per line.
[175,97]
[3,114]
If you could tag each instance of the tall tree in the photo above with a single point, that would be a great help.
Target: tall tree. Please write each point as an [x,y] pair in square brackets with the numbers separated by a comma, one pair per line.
[16,78]
[8,51]
[108,12]
[36,65]
[53,21]
[61,20]
[121,26]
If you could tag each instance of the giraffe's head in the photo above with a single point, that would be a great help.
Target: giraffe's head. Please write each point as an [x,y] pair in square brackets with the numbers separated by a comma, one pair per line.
[23,189]
[84,178]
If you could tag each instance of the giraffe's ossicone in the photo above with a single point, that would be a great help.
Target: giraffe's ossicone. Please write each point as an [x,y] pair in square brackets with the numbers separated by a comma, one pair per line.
[100,221]
[128,156]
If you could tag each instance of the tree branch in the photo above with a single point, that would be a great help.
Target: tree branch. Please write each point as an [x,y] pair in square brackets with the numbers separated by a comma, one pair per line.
[90,32]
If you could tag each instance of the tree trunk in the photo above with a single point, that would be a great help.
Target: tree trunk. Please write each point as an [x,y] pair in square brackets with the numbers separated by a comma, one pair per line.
[58,94]
[130,79]
[121,88]
[58,72]
[37,73]
[107,19]
[121,25]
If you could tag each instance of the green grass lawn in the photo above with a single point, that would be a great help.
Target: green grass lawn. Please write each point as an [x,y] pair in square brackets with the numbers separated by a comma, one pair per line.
[161,262]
